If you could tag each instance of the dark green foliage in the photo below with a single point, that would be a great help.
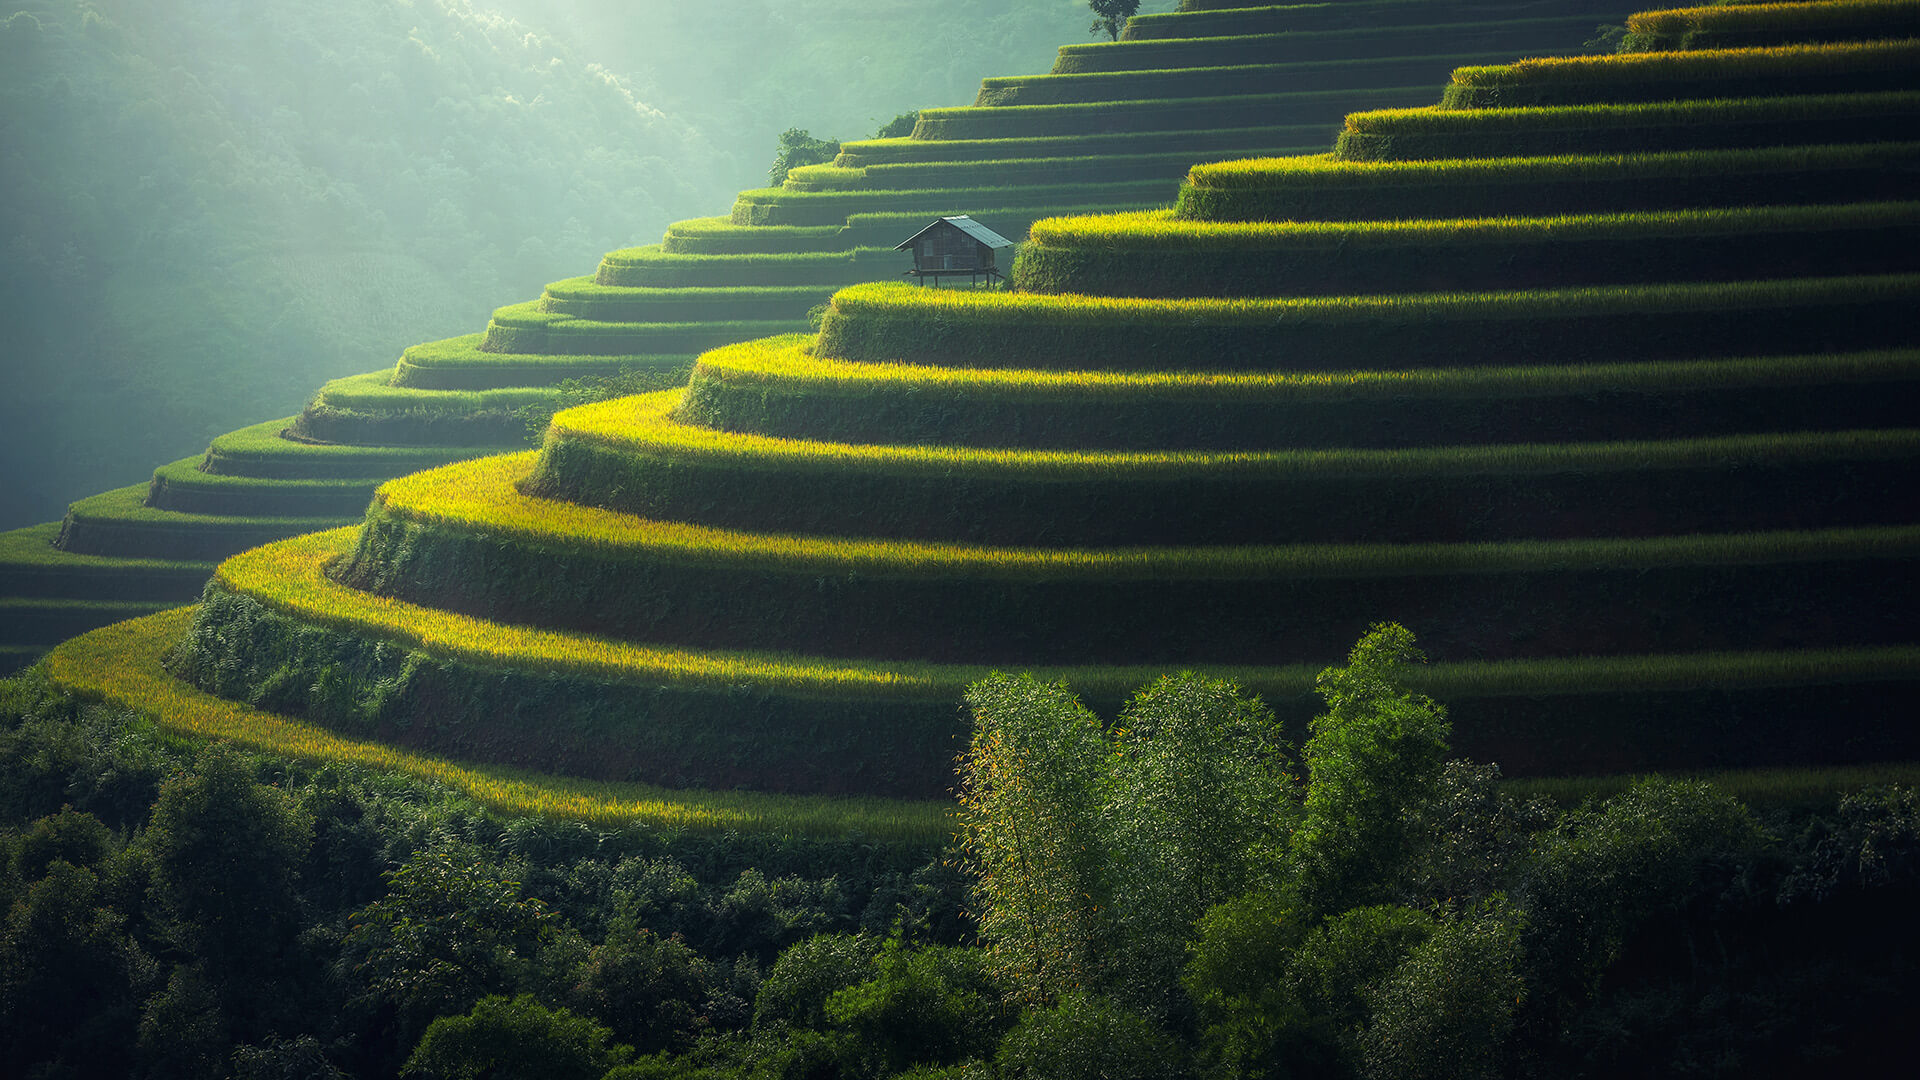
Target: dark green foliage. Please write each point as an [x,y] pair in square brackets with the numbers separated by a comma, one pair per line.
[796,148]
[899,127]
[515,1039]
[1109,16]
[1088,1038]
[1447,1010]
[935,1004]
[1374,756]
[808,973]
[226,853]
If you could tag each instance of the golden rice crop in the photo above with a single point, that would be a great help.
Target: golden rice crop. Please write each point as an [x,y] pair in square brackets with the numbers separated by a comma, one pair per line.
[121,664]
[1782,60]
[788,363]
[482,496]
[644,424]
[895,300]
[1162,230]
[1630,114]
[1325,170]
[1776,16]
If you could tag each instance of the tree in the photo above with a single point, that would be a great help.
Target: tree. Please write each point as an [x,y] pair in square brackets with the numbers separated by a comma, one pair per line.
[798,147]
[226,852]
[1199,807]
[1032,788]
[1111,15]
[1374,760]
[899,127]
[516,1039]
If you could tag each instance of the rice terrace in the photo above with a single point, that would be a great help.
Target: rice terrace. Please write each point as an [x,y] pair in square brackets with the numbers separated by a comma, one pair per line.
[1591,361]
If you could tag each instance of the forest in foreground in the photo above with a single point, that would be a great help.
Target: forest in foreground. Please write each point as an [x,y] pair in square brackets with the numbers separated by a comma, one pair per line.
[1362,905]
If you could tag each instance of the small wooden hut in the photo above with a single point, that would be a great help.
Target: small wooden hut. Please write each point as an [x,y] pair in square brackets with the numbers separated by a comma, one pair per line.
[955,246]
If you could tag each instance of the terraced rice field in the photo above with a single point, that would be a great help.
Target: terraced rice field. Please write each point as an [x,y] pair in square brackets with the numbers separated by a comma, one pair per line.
[1122,137]
[1622,428]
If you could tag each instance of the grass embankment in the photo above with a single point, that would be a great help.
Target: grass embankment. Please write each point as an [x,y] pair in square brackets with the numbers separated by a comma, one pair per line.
[720,236]
[466,539]
[632,455]
[1143,114]
[892,323]
[1724,26]
[1157,253]
[778,206]
[368,412]
[466,364]
[1324,188]
[1403,36]
[1197,18]
[1644,703]
[259,450]
[123,665]
[30,565]
[525,328]
[1641,127]
[778,387]
[181,487]
[865,153]
[1093,170]
[1360,75]
[586,298]
[119,522]
[1838,67]
[655,266]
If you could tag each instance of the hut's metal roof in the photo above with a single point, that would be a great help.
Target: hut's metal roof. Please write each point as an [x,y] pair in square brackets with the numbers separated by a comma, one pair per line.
[966,225]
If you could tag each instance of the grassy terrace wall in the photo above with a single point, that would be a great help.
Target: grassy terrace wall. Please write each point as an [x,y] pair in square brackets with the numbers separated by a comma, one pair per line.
[1128,120]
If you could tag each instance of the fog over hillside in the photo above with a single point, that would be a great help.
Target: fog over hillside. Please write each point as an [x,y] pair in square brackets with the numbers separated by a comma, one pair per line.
[211,208]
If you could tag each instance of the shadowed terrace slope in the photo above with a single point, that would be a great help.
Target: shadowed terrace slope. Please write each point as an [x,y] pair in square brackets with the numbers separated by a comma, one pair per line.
[1646,507]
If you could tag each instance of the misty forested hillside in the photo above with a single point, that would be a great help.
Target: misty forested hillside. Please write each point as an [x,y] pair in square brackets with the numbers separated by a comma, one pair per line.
[212,208]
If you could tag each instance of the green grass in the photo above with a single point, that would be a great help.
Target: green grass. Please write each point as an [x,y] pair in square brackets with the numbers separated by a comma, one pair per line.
[653,266]
[777,387]
[1155,253]
[585,298]
[865,153]
[30,565]
[1713,123]
[259,451]
[1762,789]
[1141,114]
[291,577]
[1201,19]
[1217,80]
[777,206]
[1659,76]
[1103,169]
[720,236]
[890,323]
[182,487]
[119,523]
[464,364]
[1322,187]
[525,329]
[1292,45]
[631,455]
[43,621]
[123,665]
[1770,24]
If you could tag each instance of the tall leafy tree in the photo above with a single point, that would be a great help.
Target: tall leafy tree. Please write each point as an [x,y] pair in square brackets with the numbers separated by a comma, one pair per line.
[1109,16]
[1031,792]
[1374,759]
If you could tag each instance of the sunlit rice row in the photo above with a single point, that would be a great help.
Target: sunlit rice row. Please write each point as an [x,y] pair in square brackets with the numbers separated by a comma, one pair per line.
[482,496]
[122,665]
[1324,170]
[1161,230]
[1783,61]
